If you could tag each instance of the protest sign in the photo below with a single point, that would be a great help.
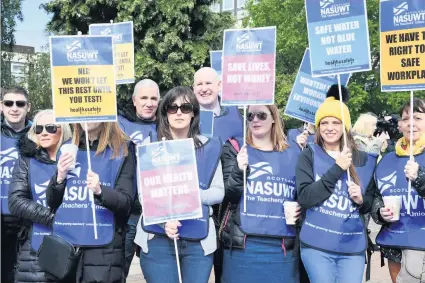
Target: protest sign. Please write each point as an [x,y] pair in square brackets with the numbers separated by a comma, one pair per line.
[207,123]
[402,45]
[168,181]
[215,61]
[338,36]
[83,79]
[122,34]
[249,62]
[308,92]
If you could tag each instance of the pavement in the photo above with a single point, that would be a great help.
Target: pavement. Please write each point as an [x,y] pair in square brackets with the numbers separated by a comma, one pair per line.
[378,274]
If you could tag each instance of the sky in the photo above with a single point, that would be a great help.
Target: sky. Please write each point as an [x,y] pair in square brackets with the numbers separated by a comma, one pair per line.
[31,31]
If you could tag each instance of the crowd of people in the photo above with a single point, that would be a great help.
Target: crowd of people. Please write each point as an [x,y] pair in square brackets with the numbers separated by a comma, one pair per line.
[337,174]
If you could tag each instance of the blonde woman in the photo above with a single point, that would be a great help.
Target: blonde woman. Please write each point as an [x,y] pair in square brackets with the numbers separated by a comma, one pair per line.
[111,182]
[363,131]
[27,199]
[259,244]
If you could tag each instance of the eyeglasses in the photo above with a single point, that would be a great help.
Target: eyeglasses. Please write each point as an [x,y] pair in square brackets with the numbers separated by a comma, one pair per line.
[184,108]
[19,103]
[260,115]
[50,128]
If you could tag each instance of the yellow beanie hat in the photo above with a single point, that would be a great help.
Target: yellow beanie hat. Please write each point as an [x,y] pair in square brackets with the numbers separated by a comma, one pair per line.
[331,107]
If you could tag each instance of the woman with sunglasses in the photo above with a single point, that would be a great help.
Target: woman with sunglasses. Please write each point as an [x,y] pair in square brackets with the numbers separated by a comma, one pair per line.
[333,235]
[110,182]
[27,196]
[178,118]
[258,242]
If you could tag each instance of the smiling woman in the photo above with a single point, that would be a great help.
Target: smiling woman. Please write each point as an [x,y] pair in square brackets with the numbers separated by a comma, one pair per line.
[27,197]
[333,246]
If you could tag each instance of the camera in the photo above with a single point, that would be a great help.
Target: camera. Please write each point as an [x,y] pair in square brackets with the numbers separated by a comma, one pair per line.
[387,123]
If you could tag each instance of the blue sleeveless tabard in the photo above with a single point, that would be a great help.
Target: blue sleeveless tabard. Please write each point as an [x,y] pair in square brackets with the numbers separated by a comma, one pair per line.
[270,183]
[228,125]
[336,225]
[409,231]
[74,218]
[8,157]
[136,131]
[39,178]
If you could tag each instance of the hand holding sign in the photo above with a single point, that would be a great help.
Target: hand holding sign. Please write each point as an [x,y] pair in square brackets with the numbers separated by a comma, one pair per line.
[344,160]
[93,183]
[242,158]
[355,193]
[302,139]
[172,229]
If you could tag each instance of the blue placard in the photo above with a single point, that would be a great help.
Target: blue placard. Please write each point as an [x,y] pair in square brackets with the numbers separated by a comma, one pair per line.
[215,58]
[309,92]
[207,123]
[81,50]
[121,32]
[338,36]
[249,63]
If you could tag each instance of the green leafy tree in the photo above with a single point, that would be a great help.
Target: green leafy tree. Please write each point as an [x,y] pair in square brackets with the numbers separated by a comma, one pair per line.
[290,19]
[172,38]
[10,14]
[37,79]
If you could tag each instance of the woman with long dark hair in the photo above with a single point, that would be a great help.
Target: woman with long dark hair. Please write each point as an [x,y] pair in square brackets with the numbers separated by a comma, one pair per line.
[333,235]
[178,118]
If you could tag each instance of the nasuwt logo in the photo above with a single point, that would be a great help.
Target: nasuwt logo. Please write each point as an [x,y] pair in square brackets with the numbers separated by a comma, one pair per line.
[244,43]
[40,192]
[108,31]
[75,173]
[8,159]
[403,7]
[387,182]
[402,16]
[326,3]
[75,53]
[259,169]
[161,157]
[269,184]
[137,137]
[328,8]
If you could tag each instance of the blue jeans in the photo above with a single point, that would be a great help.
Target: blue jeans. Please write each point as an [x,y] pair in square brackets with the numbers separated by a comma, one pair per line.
[129,241]
[159,264]
[332,268]
[262,260]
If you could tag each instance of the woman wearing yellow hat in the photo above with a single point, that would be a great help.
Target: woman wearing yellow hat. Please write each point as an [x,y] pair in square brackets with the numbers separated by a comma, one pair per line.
[333,235]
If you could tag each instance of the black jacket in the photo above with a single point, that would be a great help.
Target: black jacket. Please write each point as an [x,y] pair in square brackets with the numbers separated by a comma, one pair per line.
[10,224]
[23,206]
[230,233]
[129,112]
[103,264]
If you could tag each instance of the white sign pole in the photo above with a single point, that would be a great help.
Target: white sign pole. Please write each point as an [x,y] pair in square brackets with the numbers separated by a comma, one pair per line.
[93,207]
[343,122]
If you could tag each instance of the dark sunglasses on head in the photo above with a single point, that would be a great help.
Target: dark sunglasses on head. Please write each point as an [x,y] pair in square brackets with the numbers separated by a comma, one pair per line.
[19,103]
[50,128]
[260,115]
[184,108]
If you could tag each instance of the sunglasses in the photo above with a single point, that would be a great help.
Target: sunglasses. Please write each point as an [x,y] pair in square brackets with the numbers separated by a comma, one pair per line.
[260,115]
[50,128]
[19,103]
[184,108]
